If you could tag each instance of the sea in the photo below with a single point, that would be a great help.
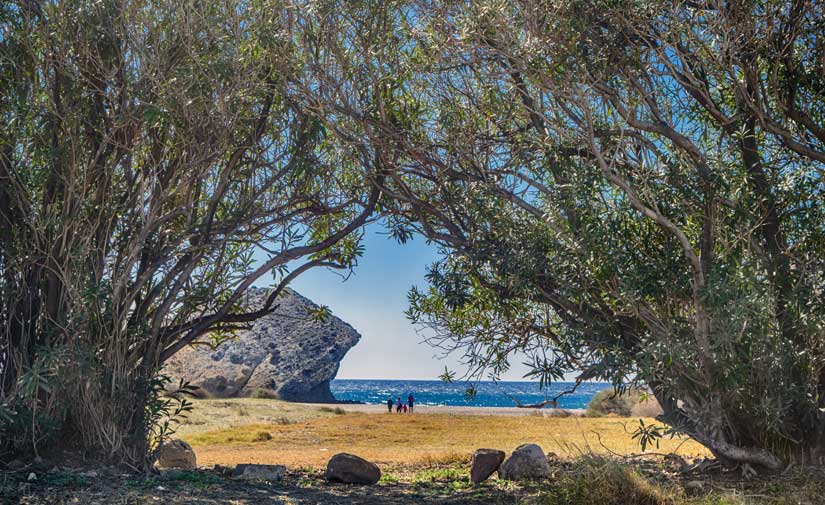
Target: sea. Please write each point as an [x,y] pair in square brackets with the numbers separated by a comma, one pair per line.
[488,394]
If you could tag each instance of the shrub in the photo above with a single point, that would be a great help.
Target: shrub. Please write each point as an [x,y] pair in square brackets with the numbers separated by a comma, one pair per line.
[261,436]
[646,407]
[609,401]
[337,410]
[630,403]
[263,394]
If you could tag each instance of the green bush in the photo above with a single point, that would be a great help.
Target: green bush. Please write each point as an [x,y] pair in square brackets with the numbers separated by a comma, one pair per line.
[609,401]
[262,394]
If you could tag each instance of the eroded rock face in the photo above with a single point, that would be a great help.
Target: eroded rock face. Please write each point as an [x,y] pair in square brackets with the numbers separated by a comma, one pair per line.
[288,355]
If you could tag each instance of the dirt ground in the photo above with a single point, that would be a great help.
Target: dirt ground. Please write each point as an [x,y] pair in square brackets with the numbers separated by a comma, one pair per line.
[206,488]
[587,481]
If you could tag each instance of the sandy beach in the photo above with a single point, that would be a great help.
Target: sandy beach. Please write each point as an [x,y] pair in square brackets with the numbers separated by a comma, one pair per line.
[450,409]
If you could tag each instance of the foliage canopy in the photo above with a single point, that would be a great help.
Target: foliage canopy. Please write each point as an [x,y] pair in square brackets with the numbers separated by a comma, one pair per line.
[630,189]
[155,162]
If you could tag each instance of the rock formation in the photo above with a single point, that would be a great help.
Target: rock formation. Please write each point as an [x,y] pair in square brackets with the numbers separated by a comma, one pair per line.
[288,355]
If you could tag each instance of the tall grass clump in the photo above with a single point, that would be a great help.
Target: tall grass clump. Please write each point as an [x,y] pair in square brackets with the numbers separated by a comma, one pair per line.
[598,481]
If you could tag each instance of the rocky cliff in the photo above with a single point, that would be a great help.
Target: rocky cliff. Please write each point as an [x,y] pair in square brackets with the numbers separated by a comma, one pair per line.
[288,355]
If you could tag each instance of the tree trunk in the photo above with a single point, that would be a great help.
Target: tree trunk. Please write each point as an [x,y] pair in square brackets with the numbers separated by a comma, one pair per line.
[106,418]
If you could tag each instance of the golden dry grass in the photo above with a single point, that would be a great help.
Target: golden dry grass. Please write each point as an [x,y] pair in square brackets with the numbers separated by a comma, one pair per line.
[211,415]
[306,437]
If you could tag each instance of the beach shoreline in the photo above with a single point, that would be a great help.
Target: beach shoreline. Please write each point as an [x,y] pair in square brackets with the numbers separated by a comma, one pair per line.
[460,410]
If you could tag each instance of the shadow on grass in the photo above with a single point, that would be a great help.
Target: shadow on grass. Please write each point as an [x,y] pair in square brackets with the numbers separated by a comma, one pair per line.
[586,481]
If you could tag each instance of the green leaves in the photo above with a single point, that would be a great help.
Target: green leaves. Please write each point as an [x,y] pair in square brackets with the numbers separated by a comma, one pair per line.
[321,313]
[611,197]
[448,376]
[649,434]
[157,159]
[166,407]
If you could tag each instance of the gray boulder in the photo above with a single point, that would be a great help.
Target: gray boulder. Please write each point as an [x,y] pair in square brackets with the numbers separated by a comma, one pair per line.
[176,454]
[485,462]
[259,472]
[351,469]
[527,462]
[288,355]
[694,488]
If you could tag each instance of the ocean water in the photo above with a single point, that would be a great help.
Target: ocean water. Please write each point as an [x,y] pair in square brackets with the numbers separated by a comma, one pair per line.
[488,394]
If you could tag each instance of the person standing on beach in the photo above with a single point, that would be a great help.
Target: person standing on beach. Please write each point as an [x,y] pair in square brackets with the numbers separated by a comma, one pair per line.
[411,402]
[398,405]
[389,404]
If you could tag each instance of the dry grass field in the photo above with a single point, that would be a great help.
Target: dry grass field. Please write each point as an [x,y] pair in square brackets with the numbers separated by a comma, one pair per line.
[229,432]
[424,459]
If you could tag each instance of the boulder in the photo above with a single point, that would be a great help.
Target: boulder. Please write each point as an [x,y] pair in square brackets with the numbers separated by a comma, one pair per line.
[177,454]
[259,472]
[289,354]
[485,462]
[527,462]
[223,471]
[694,488]
[351,469]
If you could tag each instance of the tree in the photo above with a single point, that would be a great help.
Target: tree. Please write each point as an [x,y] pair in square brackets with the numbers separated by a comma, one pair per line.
[155,162]
[628,189]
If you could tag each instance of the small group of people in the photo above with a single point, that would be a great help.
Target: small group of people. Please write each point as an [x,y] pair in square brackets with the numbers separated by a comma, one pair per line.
[400,407]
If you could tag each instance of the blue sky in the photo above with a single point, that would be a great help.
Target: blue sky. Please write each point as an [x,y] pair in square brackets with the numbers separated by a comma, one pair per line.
[373,300]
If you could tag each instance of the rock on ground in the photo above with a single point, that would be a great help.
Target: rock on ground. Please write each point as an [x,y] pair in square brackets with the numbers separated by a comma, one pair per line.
[351,469]
[176,454]
[485,462]
[288,355]
[694,488]
[527,462]
[259,472]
